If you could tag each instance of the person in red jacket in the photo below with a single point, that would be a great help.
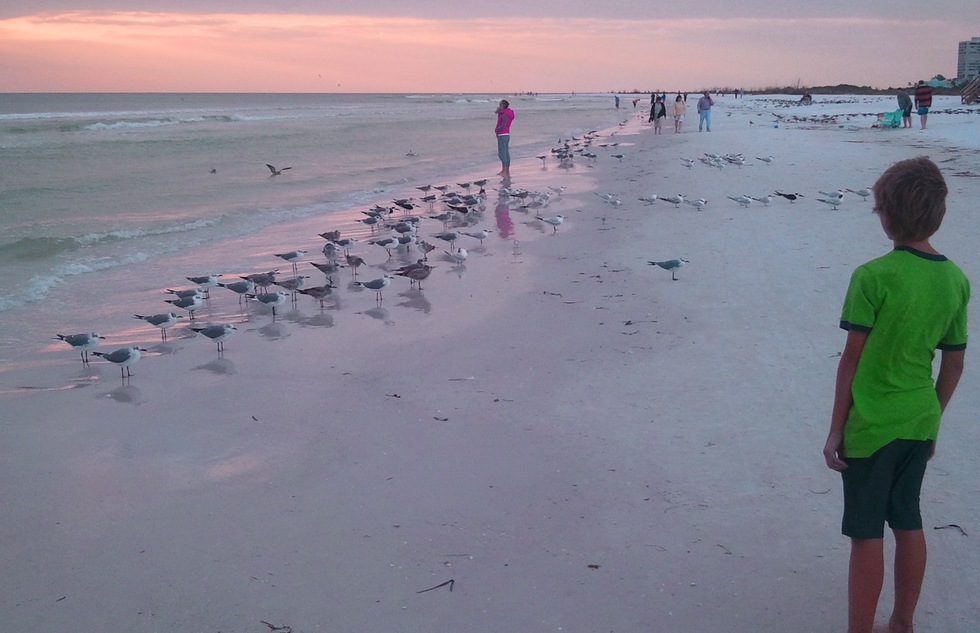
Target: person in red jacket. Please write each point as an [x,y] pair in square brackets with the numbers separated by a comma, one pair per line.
[923,101]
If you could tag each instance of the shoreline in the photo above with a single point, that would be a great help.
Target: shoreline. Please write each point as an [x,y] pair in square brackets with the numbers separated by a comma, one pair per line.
[576,440]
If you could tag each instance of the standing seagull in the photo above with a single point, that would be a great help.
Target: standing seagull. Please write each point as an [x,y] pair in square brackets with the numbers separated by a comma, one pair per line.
[276,172]
[217,333]
[272,299]
[377,285]
[553,221]
[672,265]
[206,282]
[190,304]
[292,257]
[162,321]
[123,357]
[242,288]
[743,200]
[82,342]
[319,293]
[789,196]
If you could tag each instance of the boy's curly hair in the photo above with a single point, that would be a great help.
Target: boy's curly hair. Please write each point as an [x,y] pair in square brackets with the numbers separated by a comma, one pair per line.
[911,197]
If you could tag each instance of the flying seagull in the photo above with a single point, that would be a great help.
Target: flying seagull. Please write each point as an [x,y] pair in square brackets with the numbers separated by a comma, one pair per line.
[276,172]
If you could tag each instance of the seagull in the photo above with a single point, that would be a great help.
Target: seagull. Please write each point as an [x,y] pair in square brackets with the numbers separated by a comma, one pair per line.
[553,221]
[697,204]
[292,257]
[688,162]
[345,243]
[276,172]
[649,199]
[272,299]
[241,288]
[124,357]
[217,333]
[377,285]
[674,200]
[766,159]
[327,269]
[82,342]
[416,273]
[448,236]
[262,280]
[832,194]
[459,256]
[743,201]
[163,321]
[293,283]
[478,235]
[319,293]
[671,264]
[765,200]
[426,248]
[354,261]
[789,196]
[190,304]
[386,243]
[619,156]
[183,294]
[834,202]
[207,282]
[332,236]
[864,193]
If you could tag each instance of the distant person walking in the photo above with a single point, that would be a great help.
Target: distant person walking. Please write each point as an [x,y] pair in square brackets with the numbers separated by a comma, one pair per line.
[505,116]
[905,103]
[617,101]
[923,101]
[679,110]
[704,111]
[657,114]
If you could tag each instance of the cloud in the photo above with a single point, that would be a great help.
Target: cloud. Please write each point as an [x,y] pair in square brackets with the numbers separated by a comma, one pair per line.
[142,51]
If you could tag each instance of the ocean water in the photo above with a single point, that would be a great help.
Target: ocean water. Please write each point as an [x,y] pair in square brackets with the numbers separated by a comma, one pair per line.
[94,183]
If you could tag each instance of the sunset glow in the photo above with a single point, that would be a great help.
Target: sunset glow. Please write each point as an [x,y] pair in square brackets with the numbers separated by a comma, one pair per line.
[174,52]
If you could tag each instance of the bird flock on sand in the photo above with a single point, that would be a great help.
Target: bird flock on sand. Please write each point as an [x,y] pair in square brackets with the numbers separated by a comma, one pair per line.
[453,216]
[834,199]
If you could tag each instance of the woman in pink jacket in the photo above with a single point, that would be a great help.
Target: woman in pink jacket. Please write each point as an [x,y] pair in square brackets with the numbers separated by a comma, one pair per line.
[504,118]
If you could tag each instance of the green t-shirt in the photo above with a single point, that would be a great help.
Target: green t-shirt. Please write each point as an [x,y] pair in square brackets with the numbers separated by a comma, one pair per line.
[911,304]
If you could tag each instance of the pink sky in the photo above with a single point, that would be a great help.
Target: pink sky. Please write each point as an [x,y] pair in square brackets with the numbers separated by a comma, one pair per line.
[180,52]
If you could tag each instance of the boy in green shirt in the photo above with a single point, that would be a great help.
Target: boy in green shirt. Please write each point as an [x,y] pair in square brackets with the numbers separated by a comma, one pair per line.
[899,309]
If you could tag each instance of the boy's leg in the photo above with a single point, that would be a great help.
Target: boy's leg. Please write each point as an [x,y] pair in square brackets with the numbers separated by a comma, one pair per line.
[865,576]
[910,569]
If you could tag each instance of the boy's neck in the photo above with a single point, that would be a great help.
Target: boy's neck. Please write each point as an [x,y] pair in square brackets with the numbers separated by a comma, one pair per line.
[923,246]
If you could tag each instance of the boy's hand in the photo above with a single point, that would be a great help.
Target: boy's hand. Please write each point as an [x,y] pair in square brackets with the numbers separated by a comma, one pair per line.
[832,451]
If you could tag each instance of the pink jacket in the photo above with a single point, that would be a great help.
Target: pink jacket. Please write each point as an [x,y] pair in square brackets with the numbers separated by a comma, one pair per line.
[504,119]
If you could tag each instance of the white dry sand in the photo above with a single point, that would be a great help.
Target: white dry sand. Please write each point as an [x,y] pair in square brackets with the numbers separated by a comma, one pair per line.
[573,439]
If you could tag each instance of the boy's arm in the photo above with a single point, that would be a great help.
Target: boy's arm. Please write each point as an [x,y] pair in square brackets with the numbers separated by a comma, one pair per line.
[950,370]
[843,399]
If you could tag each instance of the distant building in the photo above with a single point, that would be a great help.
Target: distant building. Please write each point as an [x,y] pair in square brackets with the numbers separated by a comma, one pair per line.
[968,62]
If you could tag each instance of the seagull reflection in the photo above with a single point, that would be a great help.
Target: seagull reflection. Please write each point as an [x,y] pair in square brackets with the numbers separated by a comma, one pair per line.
[220,366]
[127,394]
[379,313]
[274,331]
[416,300]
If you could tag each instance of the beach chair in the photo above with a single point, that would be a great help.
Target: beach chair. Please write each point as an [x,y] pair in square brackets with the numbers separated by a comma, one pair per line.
[890,119]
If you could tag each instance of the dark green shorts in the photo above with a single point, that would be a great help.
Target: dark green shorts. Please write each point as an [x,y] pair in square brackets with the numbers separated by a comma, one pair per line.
[884,487]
